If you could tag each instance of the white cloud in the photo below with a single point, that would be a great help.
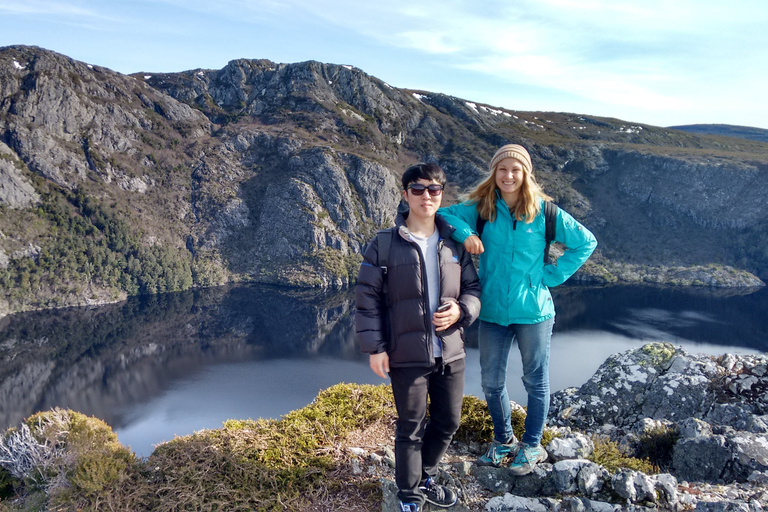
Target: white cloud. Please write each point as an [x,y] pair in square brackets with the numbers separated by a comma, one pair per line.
[654,55]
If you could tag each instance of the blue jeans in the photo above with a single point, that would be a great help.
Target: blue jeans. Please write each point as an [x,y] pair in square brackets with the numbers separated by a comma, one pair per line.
[495,342]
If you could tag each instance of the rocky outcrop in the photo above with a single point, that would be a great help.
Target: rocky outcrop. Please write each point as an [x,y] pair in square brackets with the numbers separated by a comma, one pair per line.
[15,189]
[62,117]
[717,464]
[663,382]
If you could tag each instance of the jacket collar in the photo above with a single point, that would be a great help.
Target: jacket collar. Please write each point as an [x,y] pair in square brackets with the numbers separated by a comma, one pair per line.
[444,229]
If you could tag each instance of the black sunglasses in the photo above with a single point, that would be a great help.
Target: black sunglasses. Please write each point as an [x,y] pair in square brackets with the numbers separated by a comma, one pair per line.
[418,189]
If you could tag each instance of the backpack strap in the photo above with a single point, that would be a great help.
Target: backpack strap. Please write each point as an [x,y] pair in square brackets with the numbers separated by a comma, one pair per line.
[385,242]
[550,230]
[479,225]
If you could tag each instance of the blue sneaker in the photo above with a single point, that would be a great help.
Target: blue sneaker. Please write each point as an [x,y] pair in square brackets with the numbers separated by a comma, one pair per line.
[497,452]
[438,495]
[408,507]
[527,457]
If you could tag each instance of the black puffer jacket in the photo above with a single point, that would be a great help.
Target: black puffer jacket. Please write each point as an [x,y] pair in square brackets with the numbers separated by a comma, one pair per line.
[407,309]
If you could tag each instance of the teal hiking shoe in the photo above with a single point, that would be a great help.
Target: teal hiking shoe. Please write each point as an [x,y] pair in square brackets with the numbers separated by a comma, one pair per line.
[497,452]
[438,495]
[527,457]
[408,507]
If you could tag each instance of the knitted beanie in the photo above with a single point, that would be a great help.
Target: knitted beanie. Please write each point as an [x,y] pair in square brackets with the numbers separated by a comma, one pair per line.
[515,151]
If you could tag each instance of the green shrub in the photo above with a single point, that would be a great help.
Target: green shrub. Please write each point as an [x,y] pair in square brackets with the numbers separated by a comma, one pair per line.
[610,455]
[476,424]
[94,458]
[657,445]
[61,457]
[266,464]
[7,484]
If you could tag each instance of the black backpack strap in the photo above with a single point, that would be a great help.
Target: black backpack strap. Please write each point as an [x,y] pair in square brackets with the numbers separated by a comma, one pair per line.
[479,225]
[550,230]
[385,242]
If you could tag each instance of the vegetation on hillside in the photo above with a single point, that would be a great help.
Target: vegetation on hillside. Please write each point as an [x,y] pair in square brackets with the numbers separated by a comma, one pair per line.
[86,247]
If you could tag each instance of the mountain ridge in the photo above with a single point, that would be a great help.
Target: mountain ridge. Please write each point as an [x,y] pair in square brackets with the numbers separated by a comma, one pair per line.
[116,184]
[726,130]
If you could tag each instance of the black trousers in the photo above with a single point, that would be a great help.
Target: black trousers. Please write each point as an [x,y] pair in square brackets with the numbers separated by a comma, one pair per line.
[420,444]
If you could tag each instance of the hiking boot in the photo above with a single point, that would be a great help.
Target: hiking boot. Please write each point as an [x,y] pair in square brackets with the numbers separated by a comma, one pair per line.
[438,495]
[408,507]
[497,452]
[527,457]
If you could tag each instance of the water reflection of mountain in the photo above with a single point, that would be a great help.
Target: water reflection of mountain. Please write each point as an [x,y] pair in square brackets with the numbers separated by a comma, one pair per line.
[102,360]
[96,359]
[732,317]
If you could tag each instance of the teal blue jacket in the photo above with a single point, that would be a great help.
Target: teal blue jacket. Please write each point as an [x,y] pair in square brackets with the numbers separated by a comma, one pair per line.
[515,282]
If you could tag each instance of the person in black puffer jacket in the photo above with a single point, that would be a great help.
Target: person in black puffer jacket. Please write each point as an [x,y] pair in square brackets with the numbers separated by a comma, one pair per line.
[414,332]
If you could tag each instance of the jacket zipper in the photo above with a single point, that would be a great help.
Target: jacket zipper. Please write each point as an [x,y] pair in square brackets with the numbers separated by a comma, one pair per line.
[425,300]
[439,294]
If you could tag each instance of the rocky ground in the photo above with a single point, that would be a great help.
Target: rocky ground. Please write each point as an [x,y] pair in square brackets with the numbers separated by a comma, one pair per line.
[718,456]
[376,461]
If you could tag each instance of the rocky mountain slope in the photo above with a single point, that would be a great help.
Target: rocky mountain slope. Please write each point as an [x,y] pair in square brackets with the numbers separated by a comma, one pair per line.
[727,130]
[113,185]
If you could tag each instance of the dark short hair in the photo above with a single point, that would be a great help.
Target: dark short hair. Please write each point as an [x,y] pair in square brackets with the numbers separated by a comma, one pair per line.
[423,171]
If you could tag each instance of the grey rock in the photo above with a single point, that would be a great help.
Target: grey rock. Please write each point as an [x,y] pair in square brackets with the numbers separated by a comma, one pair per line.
[571,446]
[495,479]
[463,468]
[692,427]
[702,458]
[566,474]
[707,456]
[31,251]
[15,189]
[577,504]
[666,490]
[510,503]
[389,456]
[539,482]
[660,381]
[633,486]
[591,479]
[723,506]
[389,501]
[750,452]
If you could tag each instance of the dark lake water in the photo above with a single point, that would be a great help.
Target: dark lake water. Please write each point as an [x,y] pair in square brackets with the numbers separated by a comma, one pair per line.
[158,366]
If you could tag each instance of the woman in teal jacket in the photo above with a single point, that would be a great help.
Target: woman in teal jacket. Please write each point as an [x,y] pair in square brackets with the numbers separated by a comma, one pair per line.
[516,303]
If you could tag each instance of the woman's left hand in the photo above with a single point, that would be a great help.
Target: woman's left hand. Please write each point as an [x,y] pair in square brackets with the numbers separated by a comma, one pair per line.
[445,319]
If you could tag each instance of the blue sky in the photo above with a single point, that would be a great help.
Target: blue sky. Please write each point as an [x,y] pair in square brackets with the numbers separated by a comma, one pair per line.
[657,62]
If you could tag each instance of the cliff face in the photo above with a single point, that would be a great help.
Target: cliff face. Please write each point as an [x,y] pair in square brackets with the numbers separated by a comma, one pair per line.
[113,184]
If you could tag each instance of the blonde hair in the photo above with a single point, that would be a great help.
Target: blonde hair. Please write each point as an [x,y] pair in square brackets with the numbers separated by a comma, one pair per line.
[484,194]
